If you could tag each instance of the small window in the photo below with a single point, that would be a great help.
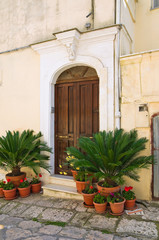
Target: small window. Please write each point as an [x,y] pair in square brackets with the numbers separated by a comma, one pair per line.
[155,4]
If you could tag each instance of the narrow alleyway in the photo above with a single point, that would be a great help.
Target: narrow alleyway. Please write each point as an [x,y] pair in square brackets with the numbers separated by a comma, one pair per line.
[46,218]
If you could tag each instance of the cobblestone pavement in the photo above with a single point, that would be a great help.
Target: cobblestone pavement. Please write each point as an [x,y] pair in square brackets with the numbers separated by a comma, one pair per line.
[38,217]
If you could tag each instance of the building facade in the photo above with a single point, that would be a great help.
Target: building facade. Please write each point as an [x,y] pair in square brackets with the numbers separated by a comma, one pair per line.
[69,69]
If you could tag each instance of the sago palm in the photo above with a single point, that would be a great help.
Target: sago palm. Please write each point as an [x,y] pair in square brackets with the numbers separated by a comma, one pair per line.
[111,155]
[23,150]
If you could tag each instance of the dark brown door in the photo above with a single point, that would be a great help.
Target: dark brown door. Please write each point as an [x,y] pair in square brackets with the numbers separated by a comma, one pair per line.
[76,115]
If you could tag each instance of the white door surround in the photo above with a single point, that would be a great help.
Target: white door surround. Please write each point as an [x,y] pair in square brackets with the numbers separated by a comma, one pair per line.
[96,49]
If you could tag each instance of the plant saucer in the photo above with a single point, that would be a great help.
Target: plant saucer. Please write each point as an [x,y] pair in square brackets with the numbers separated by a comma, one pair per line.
[116,214]
[88,206]
[133,208]
[11,198]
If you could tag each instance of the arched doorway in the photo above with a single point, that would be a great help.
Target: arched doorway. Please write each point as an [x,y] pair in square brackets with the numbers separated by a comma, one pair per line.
[76,110]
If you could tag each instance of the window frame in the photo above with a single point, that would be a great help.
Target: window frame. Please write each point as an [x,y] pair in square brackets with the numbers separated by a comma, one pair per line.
[152,5]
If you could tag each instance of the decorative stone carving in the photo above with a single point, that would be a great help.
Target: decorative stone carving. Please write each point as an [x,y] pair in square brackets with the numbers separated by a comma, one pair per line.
[70,40]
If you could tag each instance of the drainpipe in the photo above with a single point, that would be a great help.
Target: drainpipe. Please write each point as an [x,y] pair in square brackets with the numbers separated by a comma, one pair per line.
[117,69]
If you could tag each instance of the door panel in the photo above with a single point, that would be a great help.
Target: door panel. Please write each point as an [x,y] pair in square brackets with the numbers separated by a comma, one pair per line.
[76,115]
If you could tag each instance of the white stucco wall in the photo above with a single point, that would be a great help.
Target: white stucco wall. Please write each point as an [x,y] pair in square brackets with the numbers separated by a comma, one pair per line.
[25,22]
[128,16]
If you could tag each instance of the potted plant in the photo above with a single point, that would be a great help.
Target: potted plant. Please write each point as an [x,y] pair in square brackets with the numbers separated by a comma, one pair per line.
[81,181]
[24,188]
[22,150]
[88,194]
[116,202]
[9,190]
[100,203]
[70,160]
[129,197]
[111,156]
[2,182]
[36,184]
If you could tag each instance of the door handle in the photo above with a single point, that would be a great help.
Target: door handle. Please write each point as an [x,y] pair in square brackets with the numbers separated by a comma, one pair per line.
[62,136]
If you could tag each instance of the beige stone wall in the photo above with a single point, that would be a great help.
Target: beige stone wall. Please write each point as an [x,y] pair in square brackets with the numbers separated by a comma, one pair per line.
[146,30]
[140,86]
[24,22]
[19,91]
[128,17]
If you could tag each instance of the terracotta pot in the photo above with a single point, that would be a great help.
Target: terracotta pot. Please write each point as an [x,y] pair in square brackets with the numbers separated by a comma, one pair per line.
[1,193]
[81,186]
[104,191]
[88,198]
[117,208]
[24,192]
[74,173]
[130,204]
[16,179]
[36,188]
[10,194]
[100,207]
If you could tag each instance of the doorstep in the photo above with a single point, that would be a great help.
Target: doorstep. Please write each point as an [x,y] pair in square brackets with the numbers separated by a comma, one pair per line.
[61,187]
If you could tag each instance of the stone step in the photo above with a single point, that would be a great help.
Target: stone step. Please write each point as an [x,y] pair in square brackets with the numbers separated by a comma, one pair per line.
[62,180]
[61,191]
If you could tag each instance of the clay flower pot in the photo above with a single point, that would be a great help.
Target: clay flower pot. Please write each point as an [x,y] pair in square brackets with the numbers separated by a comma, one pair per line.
[74,173]
[24,192]
[36,188]
[117,208]
[81,186]
[88,198]
[100,207]
[1,193]
[10,194]
[104,191]
[16,179]
[130,204]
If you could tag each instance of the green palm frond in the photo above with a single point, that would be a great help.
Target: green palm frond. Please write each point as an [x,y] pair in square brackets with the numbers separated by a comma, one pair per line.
[112,154]
[23,150]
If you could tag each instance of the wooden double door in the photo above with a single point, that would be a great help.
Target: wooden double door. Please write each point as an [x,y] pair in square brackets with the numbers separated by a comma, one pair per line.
[76,115]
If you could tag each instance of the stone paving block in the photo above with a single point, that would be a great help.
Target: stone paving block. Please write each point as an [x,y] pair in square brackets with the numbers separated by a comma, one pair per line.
[101,222]
[44,237]
[32,212]
[74,232]
[57,215]
[62,203]
[68,238]
[32,199]
[3,216]
[50,230]
[3,202]
[44,202]
[81,208]
[29,224]
[152,213]
[94,235]
[17,211]
[91,210]
[80,218]
[134,227]
[8,207]
[125,238]
[10,221]
[17,233]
